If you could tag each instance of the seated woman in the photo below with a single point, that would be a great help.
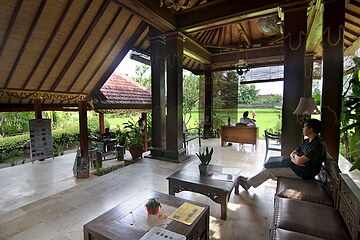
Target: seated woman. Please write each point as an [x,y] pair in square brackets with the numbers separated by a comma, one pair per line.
[245,120]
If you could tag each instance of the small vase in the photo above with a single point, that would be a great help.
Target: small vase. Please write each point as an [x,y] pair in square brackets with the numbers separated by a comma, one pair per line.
[153,211]
[203,170]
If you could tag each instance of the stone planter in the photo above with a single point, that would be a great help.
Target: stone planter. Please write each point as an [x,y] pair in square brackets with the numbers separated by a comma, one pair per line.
[136,151]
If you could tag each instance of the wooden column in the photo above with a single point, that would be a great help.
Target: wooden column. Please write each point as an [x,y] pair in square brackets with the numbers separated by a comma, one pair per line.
[157,56]
[146,138]
[208,102]
[37,109]
[308,79]
[101,124]
[84,144]
[174,119]
[295,29]
[333,43]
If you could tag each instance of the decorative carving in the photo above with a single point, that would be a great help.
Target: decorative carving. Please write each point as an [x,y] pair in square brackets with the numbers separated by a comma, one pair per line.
[213,196]
[178,5]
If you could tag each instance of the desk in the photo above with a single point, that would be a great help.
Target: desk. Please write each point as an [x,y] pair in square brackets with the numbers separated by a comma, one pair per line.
[189,179]
[240,134]
[122,222]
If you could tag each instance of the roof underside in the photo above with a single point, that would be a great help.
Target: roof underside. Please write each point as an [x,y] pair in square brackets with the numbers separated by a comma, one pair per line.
[63,51]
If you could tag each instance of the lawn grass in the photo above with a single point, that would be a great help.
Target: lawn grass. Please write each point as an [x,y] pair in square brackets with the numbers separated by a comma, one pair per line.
[266,118]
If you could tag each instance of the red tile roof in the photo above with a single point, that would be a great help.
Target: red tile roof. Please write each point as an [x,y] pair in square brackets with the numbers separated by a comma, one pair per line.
[120,92]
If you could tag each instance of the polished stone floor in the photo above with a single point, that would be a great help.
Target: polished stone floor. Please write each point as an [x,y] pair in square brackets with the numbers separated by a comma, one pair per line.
[43,200]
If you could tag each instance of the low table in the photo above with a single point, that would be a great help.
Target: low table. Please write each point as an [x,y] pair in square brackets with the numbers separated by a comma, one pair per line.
[217,187]
[129,220]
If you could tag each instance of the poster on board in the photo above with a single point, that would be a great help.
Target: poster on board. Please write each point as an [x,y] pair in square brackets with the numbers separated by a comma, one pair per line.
[41,144]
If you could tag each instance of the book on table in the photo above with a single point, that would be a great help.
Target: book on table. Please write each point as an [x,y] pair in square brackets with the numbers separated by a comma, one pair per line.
[158,233]
[187,213]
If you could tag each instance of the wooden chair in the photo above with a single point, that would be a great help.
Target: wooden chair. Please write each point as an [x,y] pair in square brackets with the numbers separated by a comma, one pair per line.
[188,137]
[273,142]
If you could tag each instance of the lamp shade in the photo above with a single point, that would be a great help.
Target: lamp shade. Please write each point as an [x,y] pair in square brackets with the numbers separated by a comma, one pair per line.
[306,106]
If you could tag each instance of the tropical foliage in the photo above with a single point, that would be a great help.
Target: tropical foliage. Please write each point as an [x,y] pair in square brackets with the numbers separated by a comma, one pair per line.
[350,119]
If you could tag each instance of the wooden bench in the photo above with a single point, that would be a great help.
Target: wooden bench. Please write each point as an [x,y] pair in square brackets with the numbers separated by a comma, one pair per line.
[117,152]
[328,208]
[188,137]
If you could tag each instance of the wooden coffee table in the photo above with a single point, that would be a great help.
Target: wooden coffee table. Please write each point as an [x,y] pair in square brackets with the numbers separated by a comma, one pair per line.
[130,221]
[218,190]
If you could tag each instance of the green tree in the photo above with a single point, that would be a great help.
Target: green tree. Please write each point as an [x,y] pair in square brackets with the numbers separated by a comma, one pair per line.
[14,122]
[142,75]
[274,98]
[190,95]
[248,93]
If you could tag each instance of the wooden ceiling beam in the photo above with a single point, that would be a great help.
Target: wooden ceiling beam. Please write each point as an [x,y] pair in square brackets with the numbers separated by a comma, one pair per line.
[352,23]
[63,47]
[150,11]
[110,25]
[250,55]
[352,13]
[355,34]
[25,43]
[232,11]
[10,26]
[194,50]
[314,36]
[81,44]
[48,44]
[130,43]
[240,28]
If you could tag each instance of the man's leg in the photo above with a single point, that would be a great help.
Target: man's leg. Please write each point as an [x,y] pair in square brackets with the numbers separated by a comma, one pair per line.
[267,173]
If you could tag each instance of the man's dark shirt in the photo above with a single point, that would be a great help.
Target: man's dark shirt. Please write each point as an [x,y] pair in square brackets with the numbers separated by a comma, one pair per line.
[316,152]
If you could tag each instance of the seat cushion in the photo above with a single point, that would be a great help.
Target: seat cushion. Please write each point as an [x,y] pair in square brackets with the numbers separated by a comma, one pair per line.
[308,218]
[305,190]
[283,234]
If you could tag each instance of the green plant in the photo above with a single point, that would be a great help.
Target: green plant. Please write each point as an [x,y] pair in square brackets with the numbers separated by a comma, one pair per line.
[133,134]
[153,203]
[350,119]
[205,156]
[217,122]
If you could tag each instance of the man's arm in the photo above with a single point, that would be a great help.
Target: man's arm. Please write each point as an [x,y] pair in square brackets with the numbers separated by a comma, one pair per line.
[299,160]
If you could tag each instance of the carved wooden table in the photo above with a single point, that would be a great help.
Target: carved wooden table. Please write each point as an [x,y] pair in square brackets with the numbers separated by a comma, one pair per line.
[217,187]
[127,220]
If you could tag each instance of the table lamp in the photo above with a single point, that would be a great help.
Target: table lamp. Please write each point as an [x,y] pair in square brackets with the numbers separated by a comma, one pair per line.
[306,107]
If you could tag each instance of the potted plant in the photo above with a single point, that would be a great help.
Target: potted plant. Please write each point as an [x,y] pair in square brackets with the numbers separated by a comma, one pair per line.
[217,122]
[134,138]
[153,205]
[205,158]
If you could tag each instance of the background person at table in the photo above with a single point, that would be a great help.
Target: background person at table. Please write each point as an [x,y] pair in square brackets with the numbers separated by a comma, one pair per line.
[303,163]
[108,134]
[246,120]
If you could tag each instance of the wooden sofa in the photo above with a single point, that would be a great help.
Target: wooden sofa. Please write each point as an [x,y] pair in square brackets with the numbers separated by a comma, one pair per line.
[326,208]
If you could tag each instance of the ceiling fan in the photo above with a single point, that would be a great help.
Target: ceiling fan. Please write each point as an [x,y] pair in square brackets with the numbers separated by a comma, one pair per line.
[270,26]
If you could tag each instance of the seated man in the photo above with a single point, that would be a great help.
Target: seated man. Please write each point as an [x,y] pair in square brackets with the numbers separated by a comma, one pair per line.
[107,133]
[245,120]
[304,162]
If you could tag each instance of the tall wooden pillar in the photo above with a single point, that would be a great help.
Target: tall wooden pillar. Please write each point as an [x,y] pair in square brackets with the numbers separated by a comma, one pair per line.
[308,79]
[157,56]
[333,42]
[295,29]
[208,102]
[84,144]
[37,109]
[174,119]
[146,138]
[101,123]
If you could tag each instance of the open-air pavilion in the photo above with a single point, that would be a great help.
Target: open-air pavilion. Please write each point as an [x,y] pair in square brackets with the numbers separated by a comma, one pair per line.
[58,54]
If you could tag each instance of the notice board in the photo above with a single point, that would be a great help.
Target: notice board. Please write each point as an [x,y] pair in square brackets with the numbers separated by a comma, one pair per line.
[41,144]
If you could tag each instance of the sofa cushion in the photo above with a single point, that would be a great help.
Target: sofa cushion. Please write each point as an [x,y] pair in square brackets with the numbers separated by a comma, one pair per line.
[308,218]
[305,190]
[283,234]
